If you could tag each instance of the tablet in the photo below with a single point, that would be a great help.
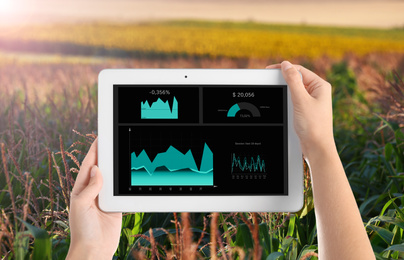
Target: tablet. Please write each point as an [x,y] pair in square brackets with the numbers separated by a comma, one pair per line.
[197,140]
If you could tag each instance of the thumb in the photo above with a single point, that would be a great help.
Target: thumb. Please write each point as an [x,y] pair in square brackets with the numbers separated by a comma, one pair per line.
[94,185]
[294,80]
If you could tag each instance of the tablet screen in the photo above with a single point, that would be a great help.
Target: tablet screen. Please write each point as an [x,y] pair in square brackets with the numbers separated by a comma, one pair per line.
[200,140]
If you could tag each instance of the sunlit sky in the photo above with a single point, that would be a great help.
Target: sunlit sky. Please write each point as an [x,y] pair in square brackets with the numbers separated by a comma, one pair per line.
[6,6]
[367,13]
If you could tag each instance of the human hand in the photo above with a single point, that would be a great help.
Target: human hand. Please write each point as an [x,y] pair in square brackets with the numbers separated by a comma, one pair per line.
[340,230]
[312,105]
[94,233]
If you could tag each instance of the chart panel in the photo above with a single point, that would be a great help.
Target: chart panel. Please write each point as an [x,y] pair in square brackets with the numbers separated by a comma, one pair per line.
[157,104]
[243,105]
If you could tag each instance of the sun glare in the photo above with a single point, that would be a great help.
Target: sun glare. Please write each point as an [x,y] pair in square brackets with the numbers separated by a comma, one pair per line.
[6,6]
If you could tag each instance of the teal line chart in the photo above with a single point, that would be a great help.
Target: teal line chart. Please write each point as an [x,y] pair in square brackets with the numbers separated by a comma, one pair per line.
[159,109]
[242,164]
[172,168]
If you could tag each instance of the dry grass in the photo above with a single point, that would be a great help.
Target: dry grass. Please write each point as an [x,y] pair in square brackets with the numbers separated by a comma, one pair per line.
[390,96]
[41,155]
[28,194]
[184,245]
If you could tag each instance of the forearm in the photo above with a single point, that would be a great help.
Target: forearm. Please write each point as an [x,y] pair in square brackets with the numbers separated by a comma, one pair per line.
[337,213]
[87,252]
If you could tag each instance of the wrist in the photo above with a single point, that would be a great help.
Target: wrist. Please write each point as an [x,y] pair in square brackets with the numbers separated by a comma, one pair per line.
[87,252]
[319,149]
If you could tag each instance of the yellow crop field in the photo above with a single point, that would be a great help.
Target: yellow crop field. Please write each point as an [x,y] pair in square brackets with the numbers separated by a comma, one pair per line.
[216,39]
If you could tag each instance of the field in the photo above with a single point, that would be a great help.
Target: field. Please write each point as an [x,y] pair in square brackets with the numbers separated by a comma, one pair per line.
[205,39]
[48,108]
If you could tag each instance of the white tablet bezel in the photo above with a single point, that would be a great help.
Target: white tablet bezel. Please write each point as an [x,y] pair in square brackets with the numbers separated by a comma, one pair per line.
[272,203]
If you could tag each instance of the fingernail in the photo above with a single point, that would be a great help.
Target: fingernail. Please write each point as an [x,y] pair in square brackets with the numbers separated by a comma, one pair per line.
[93,171]
[286,65]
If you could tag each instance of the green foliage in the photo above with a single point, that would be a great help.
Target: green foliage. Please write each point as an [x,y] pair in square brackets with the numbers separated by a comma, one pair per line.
[42,248]
[371,149]
[349,103]
[131,226]
[386,229]
[299,239]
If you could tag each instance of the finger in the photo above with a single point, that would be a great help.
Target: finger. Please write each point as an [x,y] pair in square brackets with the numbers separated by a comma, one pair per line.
[315,85]
[273,66]
[90,192]
[278,66]
[91,157]
[293,79]
[84,174]
[309,77]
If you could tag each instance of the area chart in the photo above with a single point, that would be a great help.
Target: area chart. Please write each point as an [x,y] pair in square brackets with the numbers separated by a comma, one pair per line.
[159,109]
[172,167]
